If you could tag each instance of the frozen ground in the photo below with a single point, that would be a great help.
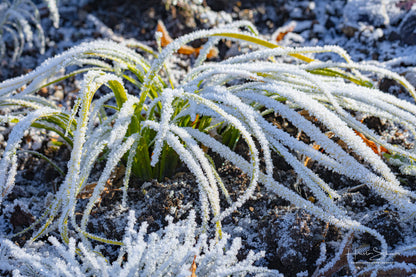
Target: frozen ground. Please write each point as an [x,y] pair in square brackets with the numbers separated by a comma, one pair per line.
[375,31]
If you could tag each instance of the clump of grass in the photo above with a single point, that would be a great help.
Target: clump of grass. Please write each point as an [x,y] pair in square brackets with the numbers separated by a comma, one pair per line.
[18,20]
[171,252]
[152,126]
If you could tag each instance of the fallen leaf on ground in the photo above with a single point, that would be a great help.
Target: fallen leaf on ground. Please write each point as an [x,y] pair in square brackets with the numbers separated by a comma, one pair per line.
[166,39]
[193,268]
[378,149]
[281,32]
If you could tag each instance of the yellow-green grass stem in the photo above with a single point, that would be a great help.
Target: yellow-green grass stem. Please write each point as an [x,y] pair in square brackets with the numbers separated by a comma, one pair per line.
[268,44]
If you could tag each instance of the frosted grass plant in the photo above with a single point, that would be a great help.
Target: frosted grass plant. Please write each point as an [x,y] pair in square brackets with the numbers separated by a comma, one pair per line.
[151,126]
[169,252]
[20,20]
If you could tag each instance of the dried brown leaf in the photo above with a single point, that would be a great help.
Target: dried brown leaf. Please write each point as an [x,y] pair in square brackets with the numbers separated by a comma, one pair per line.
[166,39]
[193,268]
[378,149]
[283,31]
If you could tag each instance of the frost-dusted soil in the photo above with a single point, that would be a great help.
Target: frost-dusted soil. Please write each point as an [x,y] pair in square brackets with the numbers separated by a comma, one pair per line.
[291,237]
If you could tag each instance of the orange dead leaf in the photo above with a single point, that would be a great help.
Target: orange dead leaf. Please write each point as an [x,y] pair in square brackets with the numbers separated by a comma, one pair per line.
[308,159]
[281,35]
[281,32]
[193,268]
[195,121]
[185,49]
[43,92]
[378,149]
[166,38]
[211,54]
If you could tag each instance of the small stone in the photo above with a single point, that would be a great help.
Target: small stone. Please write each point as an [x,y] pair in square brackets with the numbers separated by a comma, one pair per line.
[349,31]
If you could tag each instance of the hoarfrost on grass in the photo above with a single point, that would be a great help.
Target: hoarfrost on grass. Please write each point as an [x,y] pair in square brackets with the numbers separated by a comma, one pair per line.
[235,93]
[169,252]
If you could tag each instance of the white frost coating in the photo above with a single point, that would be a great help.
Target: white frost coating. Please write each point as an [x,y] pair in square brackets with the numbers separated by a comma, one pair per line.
[29,100]
[122,122]
[338,126]
[316,184]
[204,164]
[229,72]
[365,67]
[129,165]
[73,182]
[206,48]
[295,118]
[346,240]
[24,257]
[114,140]
[322,254]
[117,152]
[249,115]
[95,110]
[22,103]
[390,190]
[284,192]
[299,121]
[254,156]
[8,162]
[167,253]
[166,100]
[264,54]
[24,24]
[90,156]
[49,68]
[186,156]
[53,10]
[176,44]
[88,89]
[18,19]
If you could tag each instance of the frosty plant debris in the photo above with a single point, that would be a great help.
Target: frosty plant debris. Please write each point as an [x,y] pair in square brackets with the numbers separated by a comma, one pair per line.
[170,253]
[153,126]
